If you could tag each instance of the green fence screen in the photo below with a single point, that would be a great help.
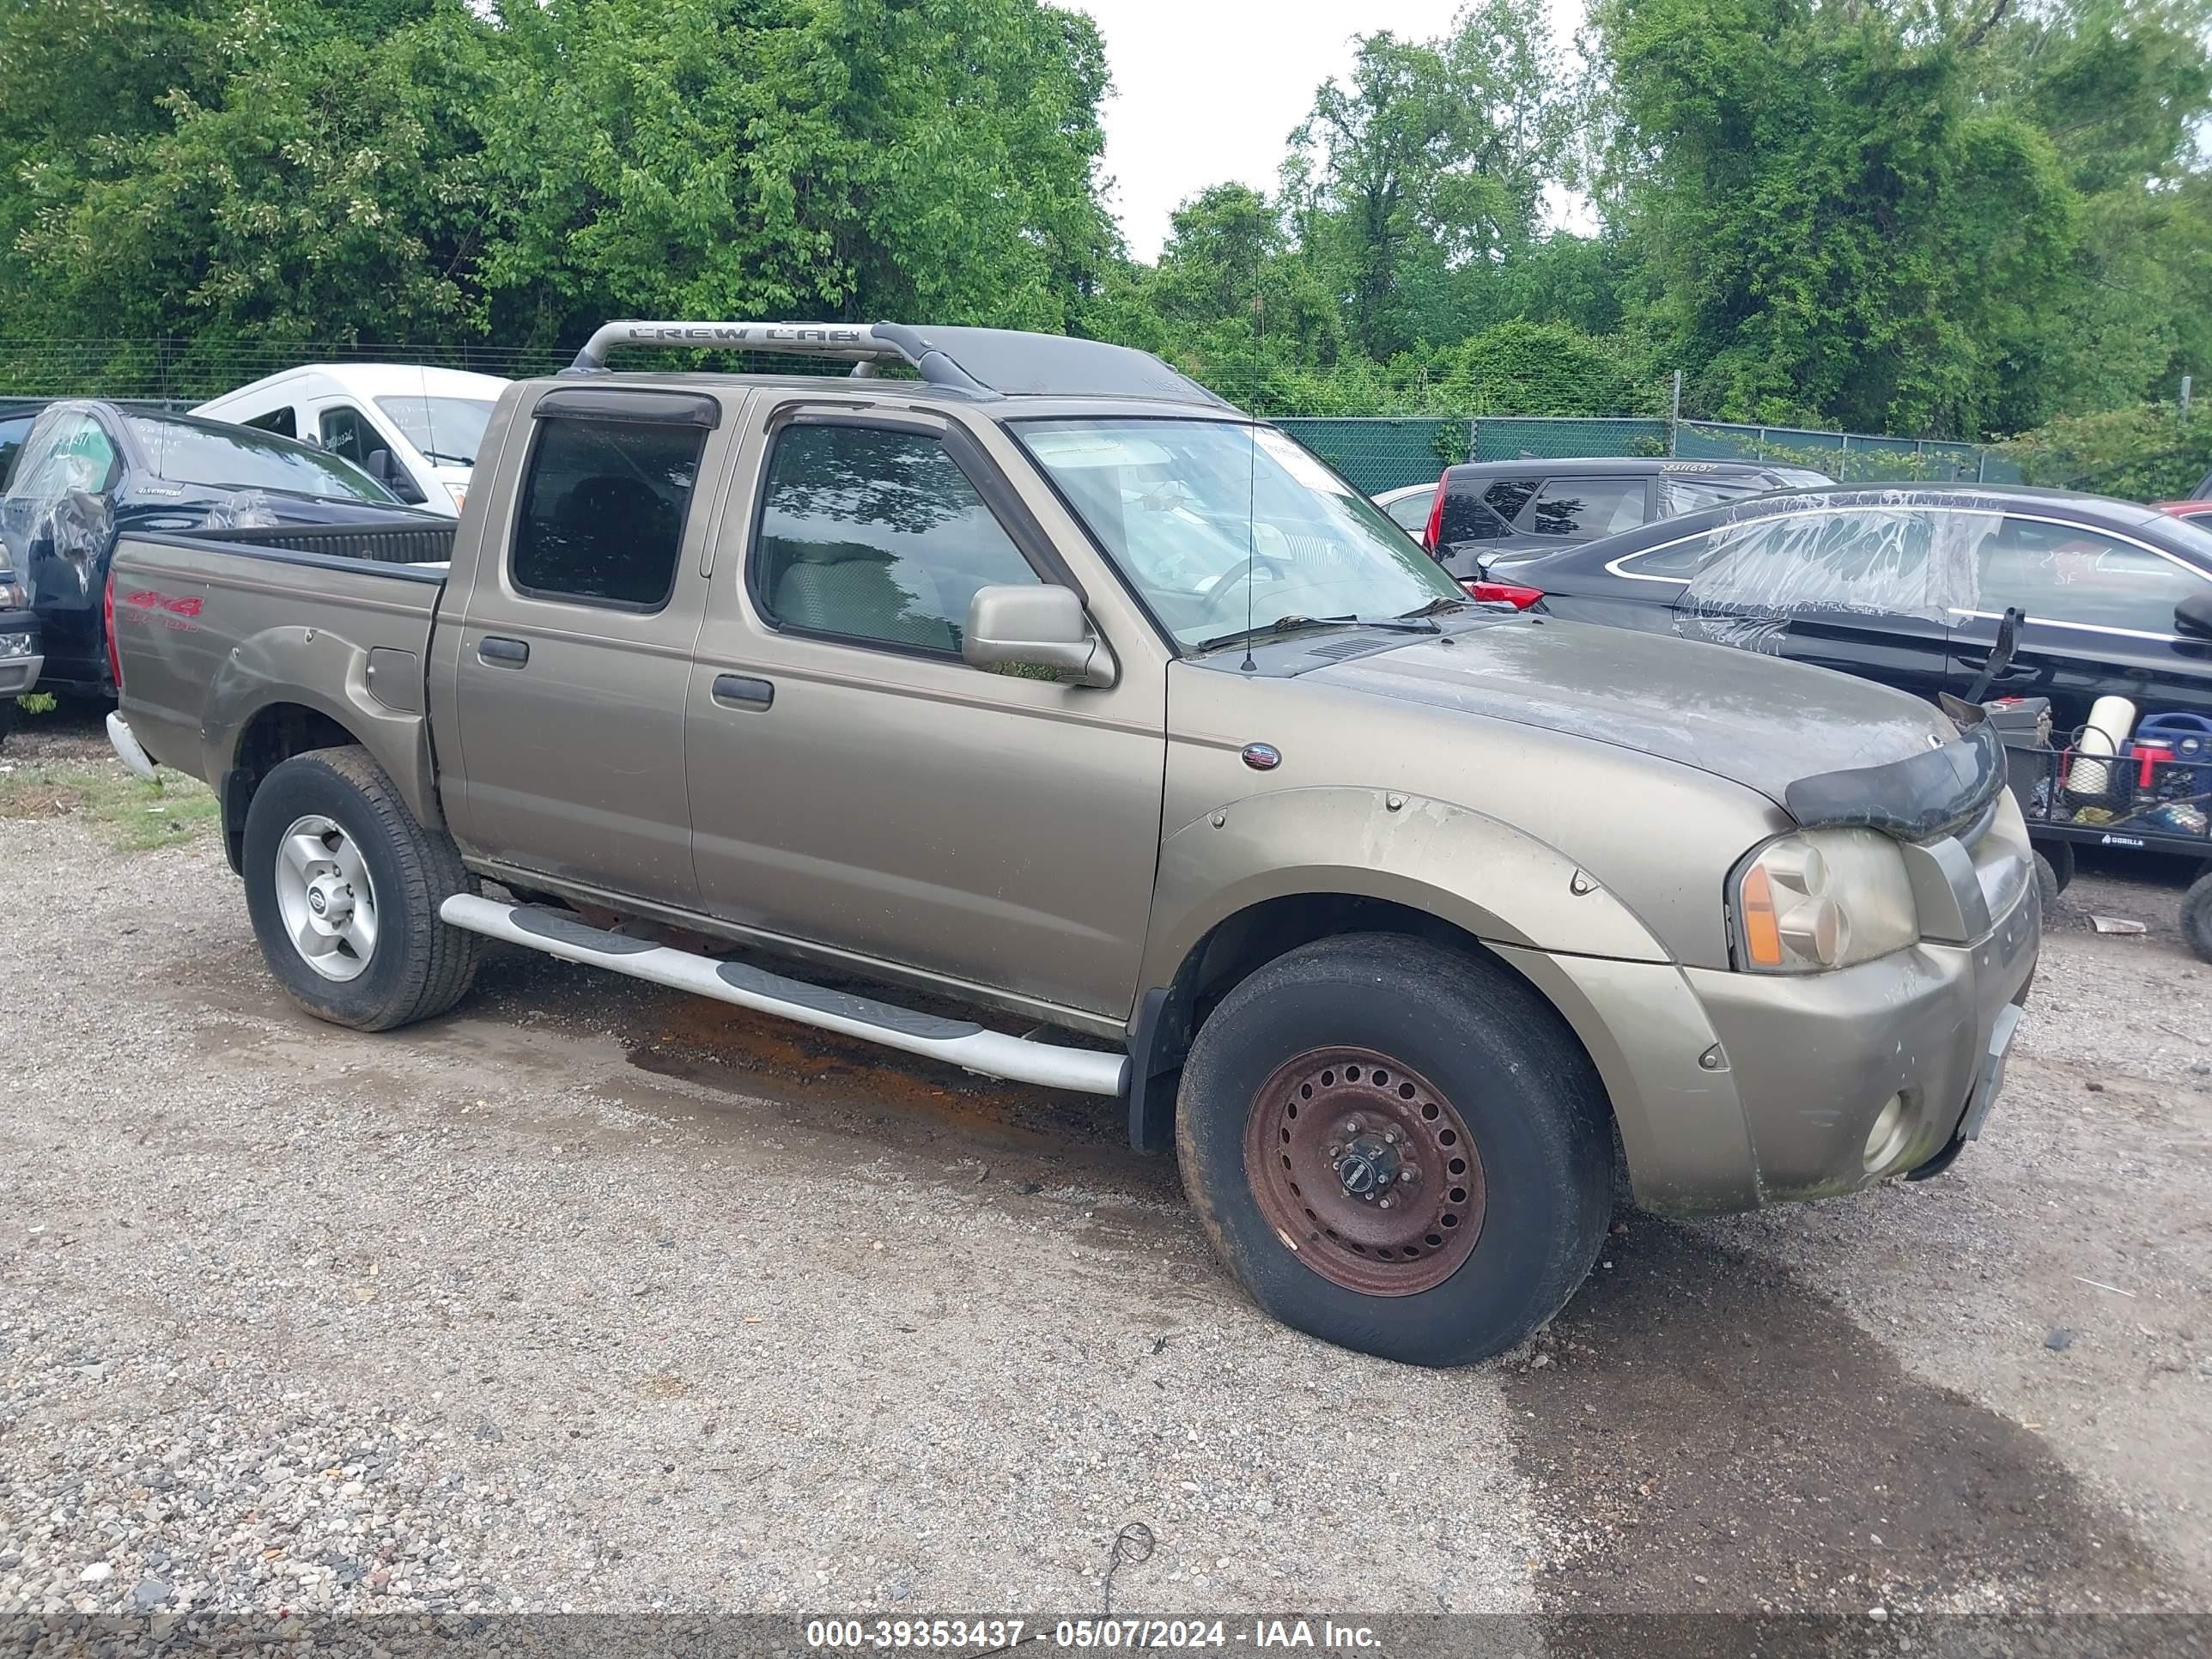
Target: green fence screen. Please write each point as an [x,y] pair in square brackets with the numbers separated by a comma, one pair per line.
[1382,454]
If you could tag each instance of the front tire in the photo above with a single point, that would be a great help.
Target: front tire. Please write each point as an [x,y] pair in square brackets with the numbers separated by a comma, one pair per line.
[1325,1077]
[343,887]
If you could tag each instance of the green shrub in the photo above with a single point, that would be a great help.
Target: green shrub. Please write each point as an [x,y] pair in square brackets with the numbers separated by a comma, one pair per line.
[2150,454]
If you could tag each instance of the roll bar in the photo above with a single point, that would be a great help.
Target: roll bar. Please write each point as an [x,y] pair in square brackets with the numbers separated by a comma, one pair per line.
[861,344]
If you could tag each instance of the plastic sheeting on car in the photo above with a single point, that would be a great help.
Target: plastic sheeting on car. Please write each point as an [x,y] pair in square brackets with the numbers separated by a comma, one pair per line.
[249,509]
[70,533]
[1881,557]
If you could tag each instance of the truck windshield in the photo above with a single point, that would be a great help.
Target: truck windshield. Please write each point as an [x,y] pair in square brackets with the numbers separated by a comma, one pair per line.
[1222,525]
[447,430]
[234,458]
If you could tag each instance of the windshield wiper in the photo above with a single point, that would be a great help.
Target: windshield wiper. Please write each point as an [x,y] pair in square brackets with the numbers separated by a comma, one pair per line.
[1411,625]
[1442,602]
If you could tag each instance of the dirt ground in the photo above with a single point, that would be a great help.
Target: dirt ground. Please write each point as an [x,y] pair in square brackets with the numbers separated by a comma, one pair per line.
[632,1300]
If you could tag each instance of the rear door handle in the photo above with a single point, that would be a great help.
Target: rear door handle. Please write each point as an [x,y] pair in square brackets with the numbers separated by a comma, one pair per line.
[743,691]
[497,652]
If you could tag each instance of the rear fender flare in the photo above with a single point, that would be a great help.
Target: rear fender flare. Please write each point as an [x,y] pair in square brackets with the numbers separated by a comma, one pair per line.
[316,668]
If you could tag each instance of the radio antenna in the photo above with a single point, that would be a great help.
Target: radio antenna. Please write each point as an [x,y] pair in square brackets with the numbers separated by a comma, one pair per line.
[1251,536]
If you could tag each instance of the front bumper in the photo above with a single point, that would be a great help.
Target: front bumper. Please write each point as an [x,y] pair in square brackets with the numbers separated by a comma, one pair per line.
[1817,1057]
[1736,1090]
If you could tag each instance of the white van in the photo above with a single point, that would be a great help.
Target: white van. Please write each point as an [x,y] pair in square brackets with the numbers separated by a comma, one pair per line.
[414,427]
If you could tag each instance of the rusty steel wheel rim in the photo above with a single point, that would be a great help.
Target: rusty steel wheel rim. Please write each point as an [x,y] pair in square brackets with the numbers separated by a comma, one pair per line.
[1366,1171]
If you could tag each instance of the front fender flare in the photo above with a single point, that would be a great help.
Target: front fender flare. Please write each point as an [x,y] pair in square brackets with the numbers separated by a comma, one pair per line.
[1474,871]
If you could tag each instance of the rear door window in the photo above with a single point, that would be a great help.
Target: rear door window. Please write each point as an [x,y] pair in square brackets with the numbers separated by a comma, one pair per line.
[1589,508]
[603,511]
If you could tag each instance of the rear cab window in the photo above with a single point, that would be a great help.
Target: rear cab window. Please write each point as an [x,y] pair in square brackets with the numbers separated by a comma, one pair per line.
[605,499]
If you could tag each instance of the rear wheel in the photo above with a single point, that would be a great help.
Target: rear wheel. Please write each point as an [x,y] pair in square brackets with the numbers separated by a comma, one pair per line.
[1396,1147]
[343,886]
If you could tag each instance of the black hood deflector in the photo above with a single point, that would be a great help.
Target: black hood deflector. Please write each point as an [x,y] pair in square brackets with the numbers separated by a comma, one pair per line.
[1916,799]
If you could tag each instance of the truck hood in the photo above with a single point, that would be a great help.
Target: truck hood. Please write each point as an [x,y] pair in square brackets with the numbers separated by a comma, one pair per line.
[1754,719]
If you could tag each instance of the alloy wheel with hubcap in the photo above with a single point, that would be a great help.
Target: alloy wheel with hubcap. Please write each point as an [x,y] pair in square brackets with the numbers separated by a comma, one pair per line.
[1365,1169]
[326,899]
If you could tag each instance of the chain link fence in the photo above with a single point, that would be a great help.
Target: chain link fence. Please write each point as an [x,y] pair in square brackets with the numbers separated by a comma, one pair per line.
[1375,451]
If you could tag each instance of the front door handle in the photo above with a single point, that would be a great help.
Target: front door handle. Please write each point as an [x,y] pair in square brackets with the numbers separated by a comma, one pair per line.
[743,691]
[496,653]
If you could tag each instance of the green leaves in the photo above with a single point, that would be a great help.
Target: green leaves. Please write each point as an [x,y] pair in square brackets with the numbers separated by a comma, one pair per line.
[1923,217]
[291,169]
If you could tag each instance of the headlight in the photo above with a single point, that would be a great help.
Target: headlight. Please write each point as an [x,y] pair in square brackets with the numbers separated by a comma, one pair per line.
[14,595]
[1824,898]
[14,645]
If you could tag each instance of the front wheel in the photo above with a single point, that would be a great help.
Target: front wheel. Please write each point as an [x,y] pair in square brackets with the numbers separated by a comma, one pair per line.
[1396,1147]
[343,886]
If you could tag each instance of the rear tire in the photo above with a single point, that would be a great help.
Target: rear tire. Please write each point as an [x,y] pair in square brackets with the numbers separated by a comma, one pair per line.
[1462,1045]
[2059,855]
[343,886]
[2047,886]
[2196,916]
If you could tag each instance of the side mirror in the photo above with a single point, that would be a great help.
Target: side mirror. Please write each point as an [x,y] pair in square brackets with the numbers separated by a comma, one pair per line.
[397,479]
[2193,616]
[1041,628]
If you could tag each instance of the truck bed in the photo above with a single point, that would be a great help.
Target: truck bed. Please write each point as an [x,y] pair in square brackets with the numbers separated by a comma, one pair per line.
[216,628]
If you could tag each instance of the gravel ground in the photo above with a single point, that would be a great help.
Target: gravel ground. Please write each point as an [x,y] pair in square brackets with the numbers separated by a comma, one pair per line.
[594,1296]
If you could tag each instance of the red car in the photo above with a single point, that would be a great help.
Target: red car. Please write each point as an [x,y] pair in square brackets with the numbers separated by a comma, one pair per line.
[2186,509]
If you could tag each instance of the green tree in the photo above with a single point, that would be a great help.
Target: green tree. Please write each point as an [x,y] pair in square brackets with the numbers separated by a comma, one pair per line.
[317,184]
[903,159]
[1905,217]
[1415,180]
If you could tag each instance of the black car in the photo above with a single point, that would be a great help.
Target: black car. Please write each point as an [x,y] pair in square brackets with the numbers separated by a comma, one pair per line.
[1485,508]
[85,471]
[1907,585]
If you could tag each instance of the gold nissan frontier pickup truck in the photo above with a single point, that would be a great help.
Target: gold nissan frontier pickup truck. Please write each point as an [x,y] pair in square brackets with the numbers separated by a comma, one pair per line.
[1022,674]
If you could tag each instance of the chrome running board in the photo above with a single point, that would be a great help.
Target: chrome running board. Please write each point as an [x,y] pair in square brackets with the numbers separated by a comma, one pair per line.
[956,1042]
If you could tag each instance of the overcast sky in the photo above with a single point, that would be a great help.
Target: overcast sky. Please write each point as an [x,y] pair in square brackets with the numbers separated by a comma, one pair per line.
[1207,90]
